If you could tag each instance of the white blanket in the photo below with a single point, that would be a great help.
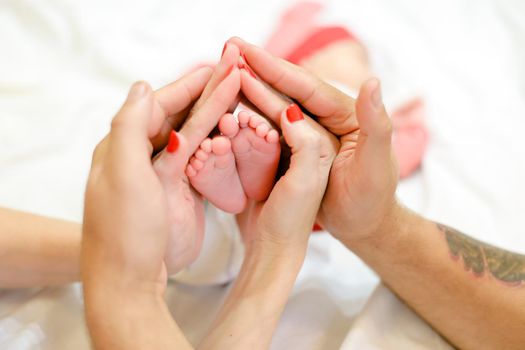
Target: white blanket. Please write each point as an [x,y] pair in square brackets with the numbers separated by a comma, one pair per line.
[65,68]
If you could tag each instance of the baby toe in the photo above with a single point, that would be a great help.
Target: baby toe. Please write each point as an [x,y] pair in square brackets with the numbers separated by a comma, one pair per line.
[201,155]
[197,164]
[244,118]
[272,136]
[206,145]
[228,126]
[262,130]
[221,145]
[190,171]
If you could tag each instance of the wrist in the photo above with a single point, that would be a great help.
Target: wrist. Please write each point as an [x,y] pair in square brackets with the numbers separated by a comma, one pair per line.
[114,293]
[392,238]
[260,292]
[267,264]
[390,226]
[123,320]
[278,251]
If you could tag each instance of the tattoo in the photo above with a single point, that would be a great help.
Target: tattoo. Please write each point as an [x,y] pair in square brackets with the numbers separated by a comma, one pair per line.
[479,257]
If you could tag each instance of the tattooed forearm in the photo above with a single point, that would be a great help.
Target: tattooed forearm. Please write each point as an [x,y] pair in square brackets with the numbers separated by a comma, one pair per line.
[479,257]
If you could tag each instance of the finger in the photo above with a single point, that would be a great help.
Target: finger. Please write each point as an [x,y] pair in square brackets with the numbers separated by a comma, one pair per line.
[127,154]
[305,145]
[173,103]
[267,100]
[302,186]
[272,104]
[204,118]
[171,163]
[335,110]
[229,59]
[375,134]
[129,128]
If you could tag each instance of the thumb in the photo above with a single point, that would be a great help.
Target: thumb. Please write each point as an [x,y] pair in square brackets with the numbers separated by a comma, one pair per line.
[302,187]
[171,162]
[374,145]
[134,115]
[129,127]
[305,144]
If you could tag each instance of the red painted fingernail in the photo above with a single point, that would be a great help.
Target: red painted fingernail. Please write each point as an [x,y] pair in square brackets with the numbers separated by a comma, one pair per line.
[294,113]
[224,49]
[173,143]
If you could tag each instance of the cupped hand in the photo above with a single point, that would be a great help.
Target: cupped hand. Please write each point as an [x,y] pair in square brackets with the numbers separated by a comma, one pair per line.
[185,205]
[141,218]
[286,218]
[126,225]
[361,190]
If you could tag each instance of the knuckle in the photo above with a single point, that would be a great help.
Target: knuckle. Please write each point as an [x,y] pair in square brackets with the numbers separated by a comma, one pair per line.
[312,140]
[117,122]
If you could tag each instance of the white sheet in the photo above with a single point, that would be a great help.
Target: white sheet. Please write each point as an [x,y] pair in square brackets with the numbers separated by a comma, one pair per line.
[66,66]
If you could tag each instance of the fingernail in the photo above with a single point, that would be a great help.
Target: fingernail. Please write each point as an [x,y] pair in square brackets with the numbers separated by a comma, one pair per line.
[173,143]
[224,49]
[137,91]
[376,94]
[294,113]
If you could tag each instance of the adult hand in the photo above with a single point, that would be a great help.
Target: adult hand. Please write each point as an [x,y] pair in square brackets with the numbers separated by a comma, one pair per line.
[125,229]
[276,234]
[137,213]
[185,205]
[361,190]
[286,218]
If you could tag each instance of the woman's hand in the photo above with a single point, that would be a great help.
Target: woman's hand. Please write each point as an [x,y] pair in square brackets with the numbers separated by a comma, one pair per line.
[137,213]
[276,234]
[125,232]
[361,191]
[185,205]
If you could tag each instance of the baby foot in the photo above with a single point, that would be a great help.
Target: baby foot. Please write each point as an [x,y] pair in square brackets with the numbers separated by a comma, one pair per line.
[256,147]
[212,172]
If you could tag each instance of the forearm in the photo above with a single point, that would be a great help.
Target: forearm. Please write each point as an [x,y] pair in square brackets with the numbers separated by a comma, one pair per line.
[130,320]
[37,251]
[253,307]
[470,292]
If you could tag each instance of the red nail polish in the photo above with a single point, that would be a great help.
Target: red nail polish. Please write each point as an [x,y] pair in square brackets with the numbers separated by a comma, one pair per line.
[173,143]
[294,113]
[224,49]
[317,227]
